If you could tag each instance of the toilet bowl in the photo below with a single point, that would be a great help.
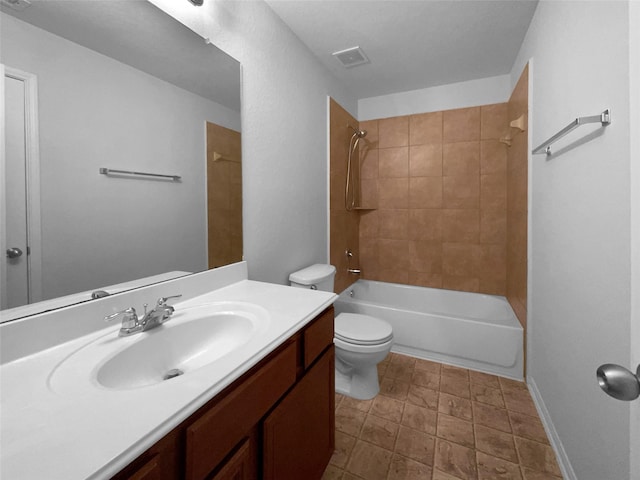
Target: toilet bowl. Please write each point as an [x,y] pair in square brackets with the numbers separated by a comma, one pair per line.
[361,341]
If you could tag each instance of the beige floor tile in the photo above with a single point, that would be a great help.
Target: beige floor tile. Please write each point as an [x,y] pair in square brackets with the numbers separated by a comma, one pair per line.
[488,395]
[491,416]
[415,445]
[455,386]
[349,420]
[528,427]
[403,468]
[428,365]
[362,405]
[520,401]
[369,461]
[380,432]
[509,385]
[422,396]
[456,460]
[455,430]
[456,372]
[438,422]
[344,446]
[398,359]
[533,475]
[419,418]
[440,475]
[332,473]
[492,468]
[496,443]
[484,379]
[350,476]
[455,406]
[426,378]
[400,372]
[537,456]
[394,388]
[388,408]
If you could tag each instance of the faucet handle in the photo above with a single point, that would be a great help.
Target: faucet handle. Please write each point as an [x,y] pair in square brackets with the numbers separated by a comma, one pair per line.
[129,318]
[162,301]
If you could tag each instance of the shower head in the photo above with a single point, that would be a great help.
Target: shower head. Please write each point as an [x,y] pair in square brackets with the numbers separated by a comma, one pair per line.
[359,133]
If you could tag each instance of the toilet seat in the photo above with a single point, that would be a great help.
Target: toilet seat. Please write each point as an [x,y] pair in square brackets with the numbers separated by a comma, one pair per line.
[359,329]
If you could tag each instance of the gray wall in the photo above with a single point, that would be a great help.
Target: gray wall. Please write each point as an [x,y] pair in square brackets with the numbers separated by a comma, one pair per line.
[580,229]
[284,133]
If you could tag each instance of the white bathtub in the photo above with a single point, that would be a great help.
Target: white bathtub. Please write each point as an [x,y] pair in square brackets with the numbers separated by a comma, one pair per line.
[469,330]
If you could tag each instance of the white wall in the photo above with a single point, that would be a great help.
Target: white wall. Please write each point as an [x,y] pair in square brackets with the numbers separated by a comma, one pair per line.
[96,112]
[444,97]
[579,298]
[284,132]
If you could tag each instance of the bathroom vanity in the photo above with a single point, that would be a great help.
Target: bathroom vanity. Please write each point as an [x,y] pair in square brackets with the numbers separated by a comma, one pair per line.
[256,399]
[275,422]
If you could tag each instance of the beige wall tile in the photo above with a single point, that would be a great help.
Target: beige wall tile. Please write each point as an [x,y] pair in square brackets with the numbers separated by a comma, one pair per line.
[425,257]
[425,160]
[493,157]
[460,225]
[393,193]
[493,191]
[461,283]
[425,128]
[493,121]
[393,224]
[424,279]
[461,159]
[425,224]
[461,125]
[393,162]
[393,132]
[369,163]
[368,192]
[425,192]
[393,254]
[369,224]
[461,259]
[461,192]
[493,226]
[371,127]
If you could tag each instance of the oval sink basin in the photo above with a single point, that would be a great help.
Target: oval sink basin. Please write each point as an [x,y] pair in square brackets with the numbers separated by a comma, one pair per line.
[191,339]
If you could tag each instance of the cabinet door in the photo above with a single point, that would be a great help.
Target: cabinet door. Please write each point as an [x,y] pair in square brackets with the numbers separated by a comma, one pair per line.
[241,466]
[298,438]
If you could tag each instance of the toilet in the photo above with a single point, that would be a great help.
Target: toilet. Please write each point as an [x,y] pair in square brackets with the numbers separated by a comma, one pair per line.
[361,341]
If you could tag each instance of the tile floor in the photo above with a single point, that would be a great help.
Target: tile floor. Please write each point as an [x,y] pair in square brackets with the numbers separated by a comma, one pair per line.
[437,422]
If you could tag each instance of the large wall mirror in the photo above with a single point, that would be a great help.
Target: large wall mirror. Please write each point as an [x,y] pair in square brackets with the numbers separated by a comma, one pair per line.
[118,85]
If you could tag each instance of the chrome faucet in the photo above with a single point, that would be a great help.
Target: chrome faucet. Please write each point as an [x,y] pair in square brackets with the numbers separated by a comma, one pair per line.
[156,316]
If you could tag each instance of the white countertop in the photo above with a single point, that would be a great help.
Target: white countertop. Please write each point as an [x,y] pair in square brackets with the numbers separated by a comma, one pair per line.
[94,433]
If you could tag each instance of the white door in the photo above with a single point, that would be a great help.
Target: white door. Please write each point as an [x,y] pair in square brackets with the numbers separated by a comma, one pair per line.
[15,254]
[20,254]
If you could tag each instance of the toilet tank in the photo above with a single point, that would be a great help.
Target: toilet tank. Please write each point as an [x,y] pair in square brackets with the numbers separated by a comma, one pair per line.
[317,277]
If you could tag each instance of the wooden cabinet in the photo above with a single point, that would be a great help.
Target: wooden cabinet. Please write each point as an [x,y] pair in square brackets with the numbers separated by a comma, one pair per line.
[297,443]
[274,422]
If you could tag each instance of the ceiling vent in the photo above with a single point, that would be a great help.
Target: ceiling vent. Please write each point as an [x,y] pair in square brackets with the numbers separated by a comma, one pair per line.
[18,5]
[351,57]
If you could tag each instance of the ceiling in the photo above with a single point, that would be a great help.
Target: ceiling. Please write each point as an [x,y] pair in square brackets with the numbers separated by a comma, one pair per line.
[411,44]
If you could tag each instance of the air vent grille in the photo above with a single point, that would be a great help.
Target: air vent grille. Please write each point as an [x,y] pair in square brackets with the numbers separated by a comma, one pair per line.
[351,57]
[18,5]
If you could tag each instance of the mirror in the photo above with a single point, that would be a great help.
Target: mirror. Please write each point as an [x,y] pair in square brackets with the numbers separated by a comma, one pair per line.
[121,86]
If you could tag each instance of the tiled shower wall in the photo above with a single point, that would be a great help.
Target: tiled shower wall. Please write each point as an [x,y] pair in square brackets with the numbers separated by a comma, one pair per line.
[343,230]
[517,178]
[436,184]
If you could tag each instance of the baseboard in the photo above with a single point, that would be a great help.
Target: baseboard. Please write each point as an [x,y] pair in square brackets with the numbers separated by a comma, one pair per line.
[554,439]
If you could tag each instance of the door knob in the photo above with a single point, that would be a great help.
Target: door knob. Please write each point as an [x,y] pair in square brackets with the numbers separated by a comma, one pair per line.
[14,252]
[619,382]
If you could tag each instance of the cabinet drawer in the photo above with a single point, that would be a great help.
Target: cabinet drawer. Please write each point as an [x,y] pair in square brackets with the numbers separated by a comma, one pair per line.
[318,336]
[210,438]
